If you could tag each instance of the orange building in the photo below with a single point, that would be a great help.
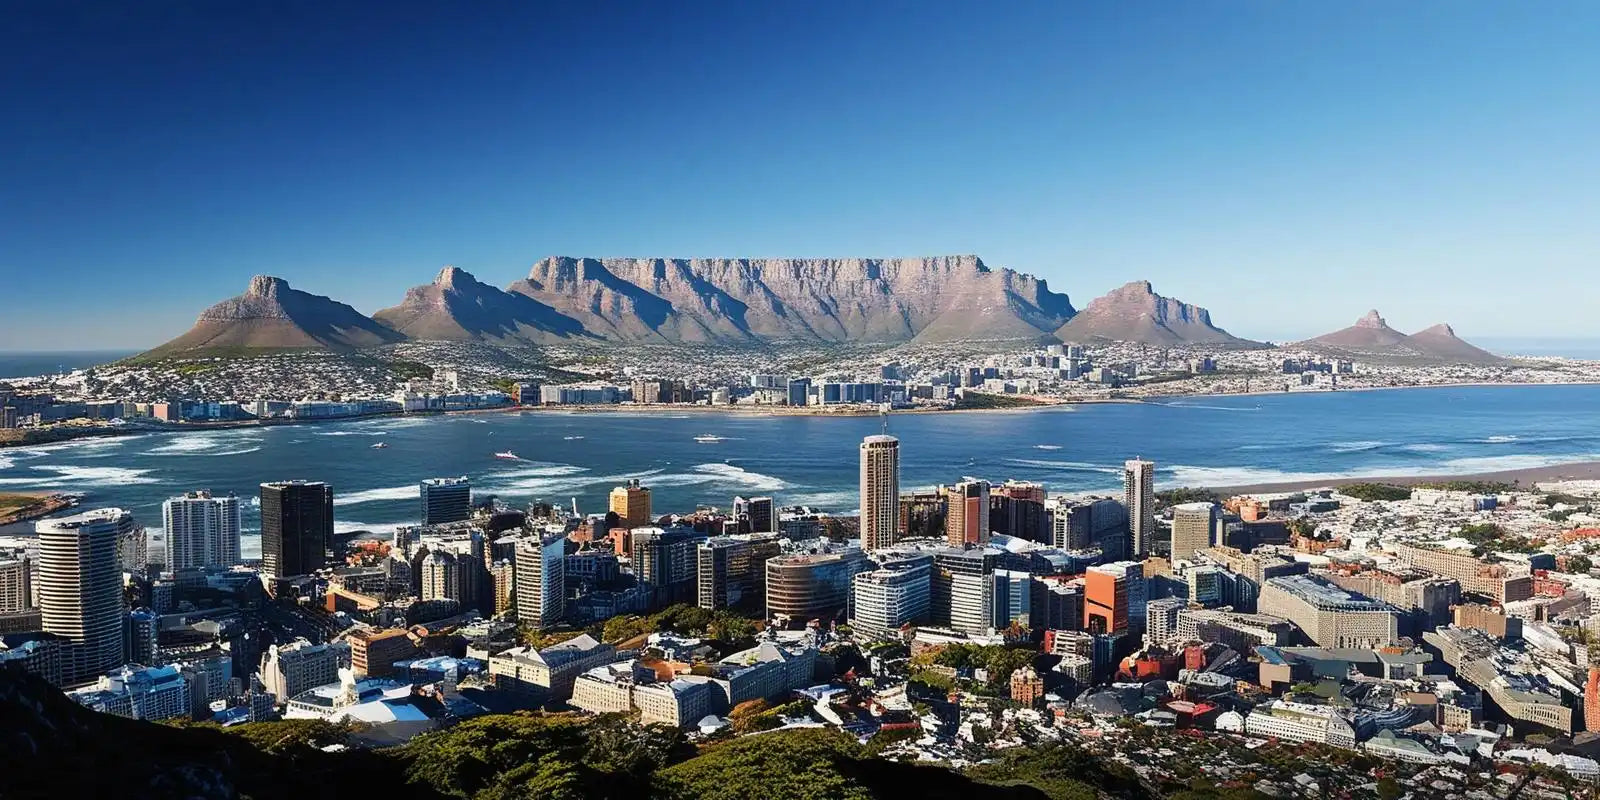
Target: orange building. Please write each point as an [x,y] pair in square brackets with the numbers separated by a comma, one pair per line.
[1105,601]
[966,519]
[1591,701]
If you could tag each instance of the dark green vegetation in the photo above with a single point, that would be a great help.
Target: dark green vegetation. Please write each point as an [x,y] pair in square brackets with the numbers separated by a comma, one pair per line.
[984,400]
[1475,487]
[1376,491]
[1174,497]
[999,661]
[1488,537]
[72,752]
[720,626]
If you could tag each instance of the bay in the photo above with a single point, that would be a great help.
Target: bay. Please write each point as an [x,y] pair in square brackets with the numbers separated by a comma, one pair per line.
[812,460]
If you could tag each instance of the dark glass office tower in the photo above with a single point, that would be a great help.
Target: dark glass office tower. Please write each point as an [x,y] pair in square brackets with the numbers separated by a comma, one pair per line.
[296,527]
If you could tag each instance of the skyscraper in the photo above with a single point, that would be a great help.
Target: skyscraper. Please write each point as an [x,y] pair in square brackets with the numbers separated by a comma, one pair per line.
[1591,701]
[202,531]
[631,503]
[966,519]
[755,515]
[80,589]
[880,491]
[1194,526]
[897,594]
[1139,492]
[1114,598]
[732,570]
[296,527]
[541,588]
[446,500]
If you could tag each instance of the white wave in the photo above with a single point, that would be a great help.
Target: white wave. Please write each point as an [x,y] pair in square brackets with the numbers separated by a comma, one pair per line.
[571,438]
[1499,439]
[1047,447]
[407,492]
[742,476]
[382,529]
[1064,466]
[342,433]
[6,463]
[1186,475]
[66,475]
[843,501]
[539,471]
[1355,447]
[1503,463]
[1424,447]
[95,446]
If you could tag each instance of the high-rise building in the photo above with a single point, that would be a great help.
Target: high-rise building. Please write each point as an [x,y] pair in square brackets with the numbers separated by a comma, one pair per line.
[1139,494]
[1193,528]
[501,578]
[631,503]
[755,515]
[732,570]
[444,577]
[963,595]
[16,585]
[446,500]
[666,561]
[1591,701]
[895,595]
[373,651]
[80,589]
[966,518]
[880,491]
[1011,599]
[799,391]
[1114,597]
[809,586]
[142,630]
[1017,508]
[541,584]
[290,669]
[296,528]
[201,530]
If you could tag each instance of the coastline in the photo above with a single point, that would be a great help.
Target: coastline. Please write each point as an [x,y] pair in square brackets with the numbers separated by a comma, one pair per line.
[1526,477]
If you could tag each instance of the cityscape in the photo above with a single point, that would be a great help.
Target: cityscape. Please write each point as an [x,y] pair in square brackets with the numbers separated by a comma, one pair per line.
[728,401]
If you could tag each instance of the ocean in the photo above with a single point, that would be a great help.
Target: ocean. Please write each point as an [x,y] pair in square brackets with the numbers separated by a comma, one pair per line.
[27,365]
[566,457]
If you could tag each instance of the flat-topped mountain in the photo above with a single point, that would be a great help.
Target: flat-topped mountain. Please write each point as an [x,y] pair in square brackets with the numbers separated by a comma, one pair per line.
[735,300]
[1135,313]
[271,315]
[1372,336]
[458,307]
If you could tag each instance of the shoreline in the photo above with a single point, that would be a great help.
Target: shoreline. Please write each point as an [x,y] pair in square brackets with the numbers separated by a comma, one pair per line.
[1526,478]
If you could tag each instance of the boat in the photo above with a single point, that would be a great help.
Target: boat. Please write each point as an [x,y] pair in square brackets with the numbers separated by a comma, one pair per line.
[707,438]
[508,455]
[380,446]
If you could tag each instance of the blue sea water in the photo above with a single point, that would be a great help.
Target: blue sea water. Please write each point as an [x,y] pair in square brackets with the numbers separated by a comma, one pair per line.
[813,460]
[27,365]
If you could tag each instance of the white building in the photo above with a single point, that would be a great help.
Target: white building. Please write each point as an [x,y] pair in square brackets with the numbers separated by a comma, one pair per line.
[887,599]
[880,491]
[80,589]
[288,670]
[540,580]
[201,531]
[1139,495]
[1300,722]
[148,693]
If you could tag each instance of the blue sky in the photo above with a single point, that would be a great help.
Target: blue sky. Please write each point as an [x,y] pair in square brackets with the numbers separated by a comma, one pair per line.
[1287,165]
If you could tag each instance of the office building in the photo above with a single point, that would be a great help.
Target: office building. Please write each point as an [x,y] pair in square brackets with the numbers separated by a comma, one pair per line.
[1239,631]
[287,670]
[501,579]
[548,675]
[963,591]
[1060,604]
[799,391]
[666,563]
[541,588]
[448,576]
[141,632]
[1161,620]
[966,518]
[373,651]
[880,491]
[1300,722]
[80,589]
[1017,508]
[1139,495]
[1193,528]
[1502,583]
[732,570]
[16,585]
[137,692]
[1511,679]
[201,531]
[296,528]
[1010,599]
[631,503]
[1328,615]
[446,500]
[1114,598]
[1591,700]
[897,594]
[755,515]
[809,586]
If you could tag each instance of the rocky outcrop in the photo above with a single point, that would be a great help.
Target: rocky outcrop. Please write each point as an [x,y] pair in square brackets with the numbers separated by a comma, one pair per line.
[729,300]
[1369,333]
[1372,337]
[272,315]
[1135,313]
[457,307]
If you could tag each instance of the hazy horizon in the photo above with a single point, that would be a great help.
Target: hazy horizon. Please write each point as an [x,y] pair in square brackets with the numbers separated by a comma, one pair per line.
[1287,166]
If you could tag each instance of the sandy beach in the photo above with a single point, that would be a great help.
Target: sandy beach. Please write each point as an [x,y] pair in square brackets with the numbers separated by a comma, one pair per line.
[1575,471]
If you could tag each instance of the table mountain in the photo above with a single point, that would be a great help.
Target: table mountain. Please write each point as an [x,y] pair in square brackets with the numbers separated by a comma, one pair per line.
[458,307]
[1135,313]
[271,315]
[1369,332]
[731,300]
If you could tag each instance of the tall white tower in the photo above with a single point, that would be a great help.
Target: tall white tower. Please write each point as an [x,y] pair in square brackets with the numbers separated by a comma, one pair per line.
[880,491]
[1139,493]
[202,531]
[80,589]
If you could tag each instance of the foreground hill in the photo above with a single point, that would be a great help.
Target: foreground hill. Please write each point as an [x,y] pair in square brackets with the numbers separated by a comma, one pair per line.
[1372,337]
[271,315]
[738,300]
[456,307]
[1135,313]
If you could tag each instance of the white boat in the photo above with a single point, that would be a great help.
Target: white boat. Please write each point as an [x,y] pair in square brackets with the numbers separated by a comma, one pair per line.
[707,438]
[508,455]
[379,446]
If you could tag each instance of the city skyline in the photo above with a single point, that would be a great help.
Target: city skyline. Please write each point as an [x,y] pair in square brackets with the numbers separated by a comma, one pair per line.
[1398,158]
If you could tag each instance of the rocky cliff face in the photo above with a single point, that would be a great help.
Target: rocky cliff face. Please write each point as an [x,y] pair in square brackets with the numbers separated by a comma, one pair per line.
[458,307]
[768,300]
[1135,313]
[270,314]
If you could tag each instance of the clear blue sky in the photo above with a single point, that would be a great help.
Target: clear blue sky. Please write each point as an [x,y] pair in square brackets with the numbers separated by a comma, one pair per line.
[1287,165]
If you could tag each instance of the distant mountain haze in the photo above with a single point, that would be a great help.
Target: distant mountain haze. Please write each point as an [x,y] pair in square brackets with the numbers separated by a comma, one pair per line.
[733,301]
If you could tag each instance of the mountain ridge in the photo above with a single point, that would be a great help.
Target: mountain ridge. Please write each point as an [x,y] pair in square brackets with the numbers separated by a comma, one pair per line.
[1134,313]
[1372,336]
[270,314]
